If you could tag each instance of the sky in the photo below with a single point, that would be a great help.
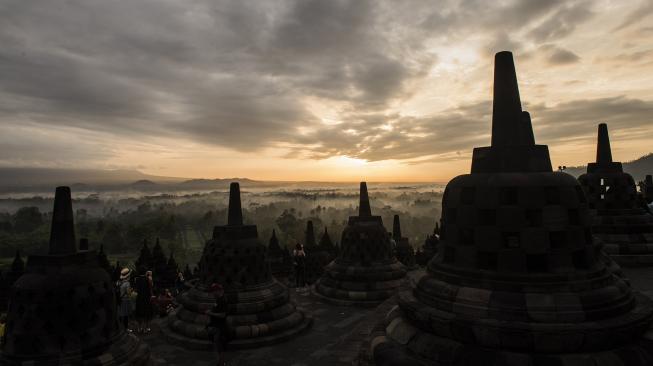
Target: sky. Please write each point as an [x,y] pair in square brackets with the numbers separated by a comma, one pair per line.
[319,90]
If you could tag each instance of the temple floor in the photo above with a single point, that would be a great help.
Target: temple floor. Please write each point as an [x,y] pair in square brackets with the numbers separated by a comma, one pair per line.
[334,339]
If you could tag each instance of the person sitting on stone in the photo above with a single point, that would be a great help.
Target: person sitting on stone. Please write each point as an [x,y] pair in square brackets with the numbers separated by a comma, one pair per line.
[216,328]
[299,261]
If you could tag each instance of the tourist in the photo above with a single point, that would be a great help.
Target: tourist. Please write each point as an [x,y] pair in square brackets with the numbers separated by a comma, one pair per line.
[144,295]
[164,303]
[299,261]
[216,329]
[125,304]
[179,283]
[3,324]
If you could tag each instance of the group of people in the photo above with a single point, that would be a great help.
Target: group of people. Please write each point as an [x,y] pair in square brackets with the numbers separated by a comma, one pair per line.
[137,301]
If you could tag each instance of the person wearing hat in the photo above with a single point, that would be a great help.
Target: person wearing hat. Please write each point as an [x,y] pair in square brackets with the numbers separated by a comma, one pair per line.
[216,328]
[124,297]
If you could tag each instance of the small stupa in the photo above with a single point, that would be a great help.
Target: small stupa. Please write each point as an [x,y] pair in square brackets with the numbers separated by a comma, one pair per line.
[404,251]
[618,220]
[366,272]
[259,310]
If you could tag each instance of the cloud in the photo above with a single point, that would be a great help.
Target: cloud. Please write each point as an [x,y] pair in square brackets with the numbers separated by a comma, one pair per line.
[560,56]
[246,75]
[637,15]
[456,131]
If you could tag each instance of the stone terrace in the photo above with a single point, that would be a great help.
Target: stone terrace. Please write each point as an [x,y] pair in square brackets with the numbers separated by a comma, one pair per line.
[334,339]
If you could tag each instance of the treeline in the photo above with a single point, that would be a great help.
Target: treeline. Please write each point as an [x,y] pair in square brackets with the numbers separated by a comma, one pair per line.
[122,228]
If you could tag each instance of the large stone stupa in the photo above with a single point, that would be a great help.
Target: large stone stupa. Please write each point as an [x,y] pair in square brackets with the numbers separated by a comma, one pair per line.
[366,272]
[259,310]
[62,311]
[618,219]
[518,279]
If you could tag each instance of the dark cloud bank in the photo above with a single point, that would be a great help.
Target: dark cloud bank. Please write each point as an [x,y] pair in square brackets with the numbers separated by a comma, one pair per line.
[233,73]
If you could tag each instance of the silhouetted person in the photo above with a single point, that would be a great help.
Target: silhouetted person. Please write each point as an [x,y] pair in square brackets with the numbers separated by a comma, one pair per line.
[216,329]
[124,297]
[144,293]
[299,261]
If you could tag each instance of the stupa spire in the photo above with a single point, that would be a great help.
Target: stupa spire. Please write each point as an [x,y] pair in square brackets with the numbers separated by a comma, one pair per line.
[235,211]
[62,233]
[528,138]
[396,228]
[603,151]
[364,209]
[507,129]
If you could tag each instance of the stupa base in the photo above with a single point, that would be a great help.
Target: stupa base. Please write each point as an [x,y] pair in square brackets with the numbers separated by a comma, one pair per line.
[395,342]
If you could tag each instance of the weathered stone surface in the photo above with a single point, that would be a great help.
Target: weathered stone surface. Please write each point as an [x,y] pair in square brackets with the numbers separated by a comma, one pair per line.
[618,219]
[366,272]
[518,276]
[63,309]
[259,312]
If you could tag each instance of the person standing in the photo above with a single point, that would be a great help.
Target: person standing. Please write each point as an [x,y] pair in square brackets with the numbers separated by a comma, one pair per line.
[179,283]
[143,284]
[216,329]
[124,298]
[299,260]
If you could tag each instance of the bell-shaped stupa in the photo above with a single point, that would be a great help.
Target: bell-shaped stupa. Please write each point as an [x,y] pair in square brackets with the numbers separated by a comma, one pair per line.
[618,219]
[259,310]
[404,251]
[366,272]
[62,311]
[518,279]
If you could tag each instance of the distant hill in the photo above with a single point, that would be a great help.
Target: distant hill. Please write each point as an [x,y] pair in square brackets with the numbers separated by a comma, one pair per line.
[31,179]
[216,183]
[638,168]
[34,180]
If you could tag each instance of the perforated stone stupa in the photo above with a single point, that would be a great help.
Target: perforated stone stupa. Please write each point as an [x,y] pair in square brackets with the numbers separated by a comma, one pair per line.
[278,258]
[259,311]
[405,252]
[519,279]
[618,220]
[62,311]
[366,272]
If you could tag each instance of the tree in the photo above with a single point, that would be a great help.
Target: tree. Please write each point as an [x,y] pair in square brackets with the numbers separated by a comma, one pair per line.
[27,219]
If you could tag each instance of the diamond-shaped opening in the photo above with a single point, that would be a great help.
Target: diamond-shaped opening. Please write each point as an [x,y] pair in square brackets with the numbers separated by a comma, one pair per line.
[487,217]
[508,195]
[558,240]
[486,260]
[511,239]
[551,195]
[537,262]
[468,195]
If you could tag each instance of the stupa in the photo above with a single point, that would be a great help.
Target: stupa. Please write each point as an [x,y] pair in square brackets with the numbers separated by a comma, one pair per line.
[366,272]
[519,279]
[278,258]
[7,280]
[62,311]
[317,258]
[405,252]
[429,248]
[259,310]
[327,245]
[647,189]
[618,220]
